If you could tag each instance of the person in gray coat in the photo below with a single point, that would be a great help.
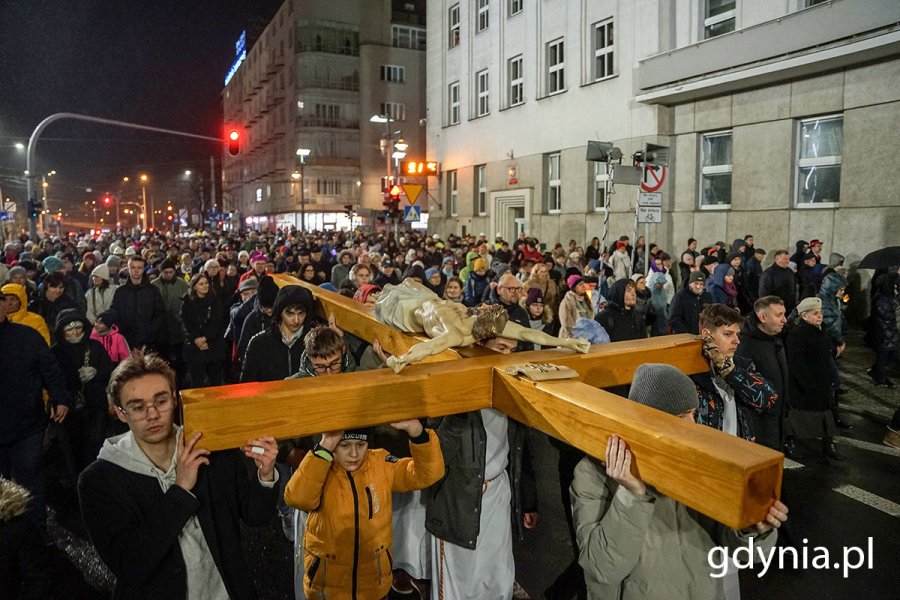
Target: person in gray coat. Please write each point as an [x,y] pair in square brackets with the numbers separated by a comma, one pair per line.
[636,543]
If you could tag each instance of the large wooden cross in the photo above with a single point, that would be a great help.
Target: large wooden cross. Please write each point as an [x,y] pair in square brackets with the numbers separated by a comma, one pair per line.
[719,475]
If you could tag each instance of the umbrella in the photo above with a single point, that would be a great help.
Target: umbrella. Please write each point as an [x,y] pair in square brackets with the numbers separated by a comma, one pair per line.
[881,259]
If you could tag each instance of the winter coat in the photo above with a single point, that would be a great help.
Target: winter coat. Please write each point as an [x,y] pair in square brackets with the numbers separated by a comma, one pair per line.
[884,312]
[619,323]
[24,316]
[25,571]
[659,302]
[776,281]
[347,544]
[767,353]
[721,291]
[172,293]
[72,357]
[270,358]
[831,308]
[808,354]
[135,525]
[99,300]
[646,547]
[621,265]
[203,317]
[28,365]
[255,322]
[50,310]
[114,343]
[572,307]
[475,287]
[684,312]
[808,281]
[142,315]
[752,392]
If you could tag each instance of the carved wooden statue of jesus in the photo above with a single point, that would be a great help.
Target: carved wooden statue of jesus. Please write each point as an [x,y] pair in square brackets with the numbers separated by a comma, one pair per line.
[413,308]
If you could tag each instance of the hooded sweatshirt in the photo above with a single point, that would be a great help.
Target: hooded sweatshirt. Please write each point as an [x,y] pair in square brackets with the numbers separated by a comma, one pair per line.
[23,316]
[203,577]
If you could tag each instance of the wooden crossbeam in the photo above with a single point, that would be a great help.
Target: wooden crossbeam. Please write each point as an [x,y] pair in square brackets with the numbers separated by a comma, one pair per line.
[723,476]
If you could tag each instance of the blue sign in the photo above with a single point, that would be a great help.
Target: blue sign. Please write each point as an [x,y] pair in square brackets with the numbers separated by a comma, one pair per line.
[411,214]
[240,50]
[5,216]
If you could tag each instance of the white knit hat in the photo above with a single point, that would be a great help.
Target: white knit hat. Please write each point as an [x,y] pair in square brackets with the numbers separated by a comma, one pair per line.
[101,271]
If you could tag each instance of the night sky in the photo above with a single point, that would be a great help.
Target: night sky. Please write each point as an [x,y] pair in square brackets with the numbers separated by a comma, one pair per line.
[154,62]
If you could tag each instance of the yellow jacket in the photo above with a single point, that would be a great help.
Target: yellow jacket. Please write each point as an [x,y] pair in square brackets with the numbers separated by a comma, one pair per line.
[22,316]
[348,534]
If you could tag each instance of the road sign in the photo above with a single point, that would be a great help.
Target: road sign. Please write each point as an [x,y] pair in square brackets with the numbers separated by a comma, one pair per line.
[5,216]
[9,207]
[649,214]
[649,199]
[654,176]
[412,191]
[411,213]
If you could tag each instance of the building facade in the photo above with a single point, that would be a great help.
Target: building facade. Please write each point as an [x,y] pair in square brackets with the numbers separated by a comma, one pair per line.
[303,98]
[774,111]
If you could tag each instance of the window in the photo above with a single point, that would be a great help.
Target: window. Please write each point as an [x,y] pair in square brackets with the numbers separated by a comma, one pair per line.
[604,50]
[482,101]
[715,170]
[556,67]
[395,110]
[598,195]
[483,15]
[720,17]
[393,73]
[820,146]
[516,81]
[453,193]
[454,26]
[328,187]
[453,101]
[404,36]
[554,184]
[481,191]
[516,6]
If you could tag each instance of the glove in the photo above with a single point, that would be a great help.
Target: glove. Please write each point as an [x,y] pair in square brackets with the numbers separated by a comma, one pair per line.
[722,364]
[85,374]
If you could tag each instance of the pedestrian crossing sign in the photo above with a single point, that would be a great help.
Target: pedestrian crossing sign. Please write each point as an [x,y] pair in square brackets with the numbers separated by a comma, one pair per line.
[411,213]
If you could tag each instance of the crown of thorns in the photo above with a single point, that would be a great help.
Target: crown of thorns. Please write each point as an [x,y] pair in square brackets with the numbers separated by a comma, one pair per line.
[489,321]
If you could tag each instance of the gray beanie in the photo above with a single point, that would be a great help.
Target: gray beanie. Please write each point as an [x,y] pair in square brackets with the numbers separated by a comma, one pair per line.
[113,262]
[664,388]
[17,270]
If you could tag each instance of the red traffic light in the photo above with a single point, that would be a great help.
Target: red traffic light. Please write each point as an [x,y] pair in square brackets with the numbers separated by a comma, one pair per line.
[107,200]
[395,193]
[234,142]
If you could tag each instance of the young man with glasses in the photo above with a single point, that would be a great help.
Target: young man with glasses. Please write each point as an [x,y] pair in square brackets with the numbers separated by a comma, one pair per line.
[162,512]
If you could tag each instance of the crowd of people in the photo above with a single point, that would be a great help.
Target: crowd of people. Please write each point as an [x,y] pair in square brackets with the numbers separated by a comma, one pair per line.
[98,334]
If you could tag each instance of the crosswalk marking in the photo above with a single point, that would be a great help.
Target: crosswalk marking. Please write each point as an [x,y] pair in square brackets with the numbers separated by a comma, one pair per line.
[876,502]
[792,464]
[869,446]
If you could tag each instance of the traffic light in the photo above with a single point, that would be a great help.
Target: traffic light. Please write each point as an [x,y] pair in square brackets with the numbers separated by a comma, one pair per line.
[34,209]
[233,142]
[348,208]
[419,167]
[395,194]
[107,200]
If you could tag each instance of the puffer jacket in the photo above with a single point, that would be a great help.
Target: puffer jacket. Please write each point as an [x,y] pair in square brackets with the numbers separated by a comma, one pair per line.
[25,571]
[884,312]
[23,316]
[831,308]
[647,548]
[347,544]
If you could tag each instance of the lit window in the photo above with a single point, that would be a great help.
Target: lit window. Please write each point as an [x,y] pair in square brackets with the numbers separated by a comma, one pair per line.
[454,25]
[556,67]
[554,184]
[516,81]
[820,146]
[483,15]
[453,100]
[454,194]
[720,17]
[482,104]
[715,170]
[604,50]
[481,181]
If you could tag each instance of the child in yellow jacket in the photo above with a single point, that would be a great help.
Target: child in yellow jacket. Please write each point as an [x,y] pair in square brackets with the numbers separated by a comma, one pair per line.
[346,489]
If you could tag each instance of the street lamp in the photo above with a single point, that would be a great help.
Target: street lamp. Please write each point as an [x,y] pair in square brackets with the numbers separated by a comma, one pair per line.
[302,153]
[144,180]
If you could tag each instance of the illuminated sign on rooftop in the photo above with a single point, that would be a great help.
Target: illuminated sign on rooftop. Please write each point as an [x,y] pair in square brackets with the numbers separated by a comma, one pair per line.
[240,50]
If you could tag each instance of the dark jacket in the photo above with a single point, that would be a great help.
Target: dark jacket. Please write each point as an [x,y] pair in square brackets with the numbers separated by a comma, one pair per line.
[619,323]
[884,312]
[767,353]
[832,321]
[141,312]
[453,511]
[203,317]
[50,310]
[172,293]
[27,366]
[135,526]
[808,353]
[808,280]
[684,312]
[25,571]
[475,287]
[71,357]
[519,316]
[268,356]
[776,281]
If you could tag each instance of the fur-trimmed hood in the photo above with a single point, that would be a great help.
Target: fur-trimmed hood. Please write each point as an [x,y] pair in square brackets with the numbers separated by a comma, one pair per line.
[13,500]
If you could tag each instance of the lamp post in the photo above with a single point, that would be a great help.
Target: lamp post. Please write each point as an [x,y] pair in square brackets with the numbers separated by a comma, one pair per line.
[144,180]
[302,153]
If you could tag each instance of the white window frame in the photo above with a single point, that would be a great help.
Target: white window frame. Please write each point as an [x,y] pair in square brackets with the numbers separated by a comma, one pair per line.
[453,114]
[516,6]
[608,50]
[720,18]
[556,71]
[453,193]
[516,73]
[414,36]
[714,170]
[598,188]
[819,161]
[481,190]
[453,30]
[482,15]
[482,93]
[393,73]
[396,110]
[554,186]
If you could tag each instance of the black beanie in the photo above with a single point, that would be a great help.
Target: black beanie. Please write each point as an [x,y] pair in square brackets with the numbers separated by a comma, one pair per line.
[166,264]
[267,291]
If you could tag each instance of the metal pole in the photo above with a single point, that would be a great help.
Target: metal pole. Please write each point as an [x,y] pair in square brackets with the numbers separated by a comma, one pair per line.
[144,204]
[302,194]
[212,185]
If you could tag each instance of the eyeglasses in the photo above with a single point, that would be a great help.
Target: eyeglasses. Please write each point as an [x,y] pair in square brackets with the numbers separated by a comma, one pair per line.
[334,366]
[513,288]
[162,404]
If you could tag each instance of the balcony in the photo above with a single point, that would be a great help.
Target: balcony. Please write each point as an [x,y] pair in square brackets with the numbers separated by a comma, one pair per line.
[275,65]
[327,123]
[349,84]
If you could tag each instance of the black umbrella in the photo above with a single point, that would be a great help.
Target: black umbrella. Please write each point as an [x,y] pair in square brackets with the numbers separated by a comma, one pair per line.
[881,259]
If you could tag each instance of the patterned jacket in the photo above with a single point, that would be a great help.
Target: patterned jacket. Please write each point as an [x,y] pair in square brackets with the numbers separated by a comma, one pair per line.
[752,391]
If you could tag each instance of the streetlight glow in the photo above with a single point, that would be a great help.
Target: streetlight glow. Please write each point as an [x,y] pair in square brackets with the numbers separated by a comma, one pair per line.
[20,146]
[144,177]
[187,172]
[378,119]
